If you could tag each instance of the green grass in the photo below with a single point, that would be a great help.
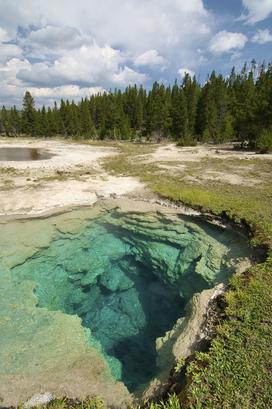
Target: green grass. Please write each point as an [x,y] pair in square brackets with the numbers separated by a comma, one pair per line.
[237,370]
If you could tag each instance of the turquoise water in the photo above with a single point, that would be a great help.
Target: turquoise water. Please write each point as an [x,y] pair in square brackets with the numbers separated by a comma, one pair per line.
[128,277]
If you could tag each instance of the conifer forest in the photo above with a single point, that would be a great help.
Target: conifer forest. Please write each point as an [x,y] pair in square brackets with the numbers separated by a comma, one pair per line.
[236,108]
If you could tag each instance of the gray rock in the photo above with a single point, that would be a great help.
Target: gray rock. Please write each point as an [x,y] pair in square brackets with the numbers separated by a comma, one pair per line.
[39,399]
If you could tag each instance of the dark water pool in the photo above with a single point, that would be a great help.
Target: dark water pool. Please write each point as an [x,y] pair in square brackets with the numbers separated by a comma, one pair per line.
[23,154]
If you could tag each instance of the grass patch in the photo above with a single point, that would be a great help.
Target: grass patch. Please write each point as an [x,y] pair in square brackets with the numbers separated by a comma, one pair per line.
[236,372]
[8,171]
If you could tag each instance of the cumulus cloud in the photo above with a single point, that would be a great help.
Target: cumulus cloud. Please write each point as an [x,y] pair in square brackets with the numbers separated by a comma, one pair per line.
[127,76]
[227,42]
[13,89]
[183,71]
[8,51]
[88,65]
[52,38]
[131,25]
[91,43]
[48,96]
[257,10]
[262,37]
[150,58]
[4,36]
[136,24]
[66,91]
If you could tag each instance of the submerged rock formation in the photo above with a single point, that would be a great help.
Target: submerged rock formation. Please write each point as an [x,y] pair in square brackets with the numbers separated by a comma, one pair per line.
[92,299]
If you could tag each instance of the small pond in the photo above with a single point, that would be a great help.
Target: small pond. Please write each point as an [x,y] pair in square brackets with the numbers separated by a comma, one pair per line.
[23,154]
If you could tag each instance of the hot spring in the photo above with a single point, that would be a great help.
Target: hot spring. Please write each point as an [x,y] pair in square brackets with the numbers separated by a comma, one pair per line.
[23,154]
[86,294]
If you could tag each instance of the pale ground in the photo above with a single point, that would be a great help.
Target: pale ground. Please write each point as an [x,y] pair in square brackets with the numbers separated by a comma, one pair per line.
[72,178]
[75,177]
[171,152]
[211,163]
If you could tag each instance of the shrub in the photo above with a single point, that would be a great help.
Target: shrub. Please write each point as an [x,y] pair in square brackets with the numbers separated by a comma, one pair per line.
[186,141]
[264,141]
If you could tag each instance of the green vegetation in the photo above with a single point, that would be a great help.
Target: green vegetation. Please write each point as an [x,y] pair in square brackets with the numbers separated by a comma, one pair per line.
[94,403]
[264,141]
[236,371]
[237,108]
[64,403]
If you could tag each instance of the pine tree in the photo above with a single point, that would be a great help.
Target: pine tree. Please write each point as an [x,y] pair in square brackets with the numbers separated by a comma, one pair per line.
[180,122]
[158,121]
[215,118]
[15,121]
[244,106]
[192,93]
[86,122]
[6,126]
[28,114]
[263,114]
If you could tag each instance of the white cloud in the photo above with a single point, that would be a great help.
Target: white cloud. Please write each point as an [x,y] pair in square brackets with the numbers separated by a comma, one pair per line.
[8,51]
[262,37]
[4,36]
[128,76]
[150,58]
[10,86]
[92,43]
[65,91]
[12,89]
[48,96]
[225,42]
[52,38]
[183,71]
[131,25]
[87,65]
[136,24]
[257,10]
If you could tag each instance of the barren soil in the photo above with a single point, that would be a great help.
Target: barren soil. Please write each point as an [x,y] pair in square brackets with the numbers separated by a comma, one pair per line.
[73,177]
[208,162]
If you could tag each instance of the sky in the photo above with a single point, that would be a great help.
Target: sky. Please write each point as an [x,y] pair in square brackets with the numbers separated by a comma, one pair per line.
[71,49]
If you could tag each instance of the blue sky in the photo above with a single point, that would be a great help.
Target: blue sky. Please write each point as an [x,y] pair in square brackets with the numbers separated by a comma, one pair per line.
[67,49]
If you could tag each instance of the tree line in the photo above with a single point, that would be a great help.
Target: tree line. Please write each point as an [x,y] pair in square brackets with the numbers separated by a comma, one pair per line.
[238,107]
